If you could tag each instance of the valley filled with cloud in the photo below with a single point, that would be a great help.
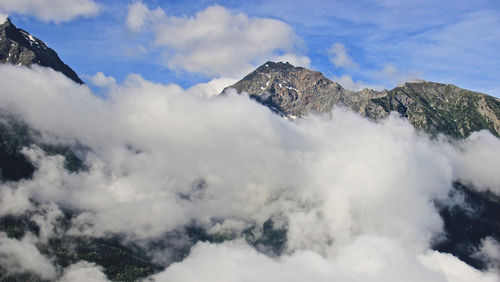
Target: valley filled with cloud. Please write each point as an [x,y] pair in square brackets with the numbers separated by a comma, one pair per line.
[355,197]
[146,170]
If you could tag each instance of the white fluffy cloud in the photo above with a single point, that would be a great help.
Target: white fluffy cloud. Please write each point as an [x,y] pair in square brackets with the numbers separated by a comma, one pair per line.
[211,88]
[3,18]
[215,41]
[101,80]
[366,259]
[477,156]
[490,252]
[22,256]
[363,189]
[51,10]
[339,57]
[454,269]
[83,272]
[139,15]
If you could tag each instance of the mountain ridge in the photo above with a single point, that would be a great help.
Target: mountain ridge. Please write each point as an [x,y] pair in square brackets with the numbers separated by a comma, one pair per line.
[430,106]
[19,47]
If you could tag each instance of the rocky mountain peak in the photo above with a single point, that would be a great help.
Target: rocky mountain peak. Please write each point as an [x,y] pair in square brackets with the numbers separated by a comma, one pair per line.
[288,90]
[19,47]
[433,107]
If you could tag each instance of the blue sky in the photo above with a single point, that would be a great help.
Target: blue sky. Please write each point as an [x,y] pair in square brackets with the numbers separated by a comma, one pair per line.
[358,43]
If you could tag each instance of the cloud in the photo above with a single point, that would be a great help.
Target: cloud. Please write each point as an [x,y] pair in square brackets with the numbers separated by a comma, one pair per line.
[439,40]
[3,18]
[367,259]
[339,57]
[212,88]
[51,10]
[475,163]
[391,75]
[138,15]
[294,59]
[160,158]
[347,82]
[454,269]
[22,256]
[490,251]
[83,272]
[215,41]
[387,77]
[46,218]
[13,201]
[99,79]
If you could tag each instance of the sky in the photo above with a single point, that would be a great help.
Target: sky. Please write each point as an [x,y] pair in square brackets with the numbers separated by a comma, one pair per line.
[374,44]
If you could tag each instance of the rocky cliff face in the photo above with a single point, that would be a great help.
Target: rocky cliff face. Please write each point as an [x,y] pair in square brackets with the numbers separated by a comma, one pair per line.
[433,107]
[21,48]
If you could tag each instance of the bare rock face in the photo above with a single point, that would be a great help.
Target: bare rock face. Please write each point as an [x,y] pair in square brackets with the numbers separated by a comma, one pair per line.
[432,107]
[18,47]
[295,91]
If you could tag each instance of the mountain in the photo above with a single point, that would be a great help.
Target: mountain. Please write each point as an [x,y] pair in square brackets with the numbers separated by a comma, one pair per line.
[287,90]
[293,92]
[433,107]
[23,49]
[120,262]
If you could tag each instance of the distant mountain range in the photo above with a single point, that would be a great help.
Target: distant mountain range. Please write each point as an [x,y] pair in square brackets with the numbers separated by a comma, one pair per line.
[289,91]
[433,107]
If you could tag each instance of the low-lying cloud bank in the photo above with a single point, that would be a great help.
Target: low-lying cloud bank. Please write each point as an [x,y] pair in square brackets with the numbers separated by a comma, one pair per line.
[355,196]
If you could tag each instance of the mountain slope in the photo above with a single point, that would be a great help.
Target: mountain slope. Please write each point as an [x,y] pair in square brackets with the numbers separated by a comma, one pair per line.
[433,107]
[120,262]
[21,48]
[290,91]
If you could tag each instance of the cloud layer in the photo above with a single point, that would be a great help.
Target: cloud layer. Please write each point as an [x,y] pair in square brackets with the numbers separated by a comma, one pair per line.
[22,256]
[161,157]
[51,10]
[366,259]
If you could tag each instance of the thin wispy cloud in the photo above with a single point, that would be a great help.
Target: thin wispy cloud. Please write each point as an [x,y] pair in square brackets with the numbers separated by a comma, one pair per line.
[339,57]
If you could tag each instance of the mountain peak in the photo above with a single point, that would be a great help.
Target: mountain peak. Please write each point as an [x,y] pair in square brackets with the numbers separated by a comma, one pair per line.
[433,107]
[276,66]
[284,68]
[19,47]
[288,90]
